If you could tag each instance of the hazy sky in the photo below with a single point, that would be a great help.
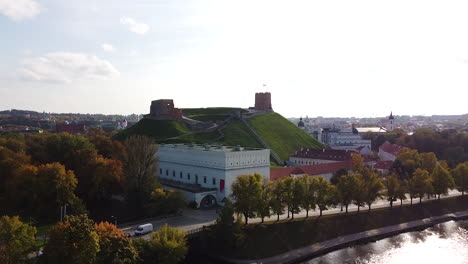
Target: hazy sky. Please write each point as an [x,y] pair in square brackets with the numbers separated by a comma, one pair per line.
[317,58]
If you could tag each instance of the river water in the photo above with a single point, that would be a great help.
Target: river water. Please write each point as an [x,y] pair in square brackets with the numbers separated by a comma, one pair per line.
[446,243]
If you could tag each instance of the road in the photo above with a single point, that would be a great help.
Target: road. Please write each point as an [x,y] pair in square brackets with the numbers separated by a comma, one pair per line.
[195,218]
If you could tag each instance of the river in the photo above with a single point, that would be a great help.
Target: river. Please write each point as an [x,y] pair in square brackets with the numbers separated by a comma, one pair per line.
[445,243]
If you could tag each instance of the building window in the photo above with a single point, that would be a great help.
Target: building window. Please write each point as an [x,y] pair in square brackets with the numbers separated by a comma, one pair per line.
[160,171]
[204,179]
[181,175]
[173,173]
[196,178]
[188,176]
[167,172]
[214,181]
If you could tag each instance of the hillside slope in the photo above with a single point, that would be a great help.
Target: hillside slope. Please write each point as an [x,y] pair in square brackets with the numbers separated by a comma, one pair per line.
[282,136]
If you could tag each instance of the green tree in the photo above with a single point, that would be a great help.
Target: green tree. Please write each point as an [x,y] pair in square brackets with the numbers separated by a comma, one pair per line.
[324,193]
[292,195]
[460,174]
[227,231]
[373,188]
[392,185]
[278,198]
[347,186]
[408,160]
[442,181]
[140,165]
[17,240]
[307,193]
[360,192]
[428,161]
[264,204]
[337,175]
[402,190]
[165,201]
[170,244]
[421,182]
[247,191]
[74,241]
[115,247]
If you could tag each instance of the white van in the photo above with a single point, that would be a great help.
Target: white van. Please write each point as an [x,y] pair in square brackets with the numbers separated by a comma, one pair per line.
[143,229]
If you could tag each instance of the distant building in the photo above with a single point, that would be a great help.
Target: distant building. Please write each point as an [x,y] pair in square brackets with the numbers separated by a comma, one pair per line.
[70,128]
[300,124]
[204,173]
[326,170]
[263,101]
[389,151]
[347,139]
[383,166]
[164,109]
[309,156]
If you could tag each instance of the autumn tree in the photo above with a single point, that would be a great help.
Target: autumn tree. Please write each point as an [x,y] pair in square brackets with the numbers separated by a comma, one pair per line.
[114,245]
[407,161]
[277,201]
[73,241]
[17,240]
[324,193]
[460,174]
[357,163]
[140,165]
[442,181]
[247,191]
[421,182]
[392,185]
[372,189]
[170,244]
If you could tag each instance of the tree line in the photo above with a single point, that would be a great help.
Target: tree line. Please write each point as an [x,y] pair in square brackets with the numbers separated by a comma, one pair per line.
[79,240]
[254,196]
[89,173]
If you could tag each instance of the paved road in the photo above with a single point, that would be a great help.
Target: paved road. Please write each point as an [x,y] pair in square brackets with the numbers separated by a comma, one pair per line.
[195,218]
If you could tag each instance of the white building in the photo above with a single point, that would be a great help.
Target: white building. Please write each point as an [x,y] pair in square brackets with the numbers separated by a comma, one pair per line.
[205,173]
[346,139]
[309,156]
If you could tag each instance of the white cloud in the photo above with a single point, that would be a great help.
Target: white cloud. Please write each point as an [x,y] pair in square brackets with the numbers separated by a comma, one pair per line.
[66,67]
[135,27]
[18,10]
[107,47]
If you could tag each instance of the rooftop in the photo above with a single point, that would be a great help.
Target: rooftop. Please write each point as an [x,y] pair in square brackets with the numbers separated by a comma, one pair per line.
[324,154]
[206,147]
[313,170]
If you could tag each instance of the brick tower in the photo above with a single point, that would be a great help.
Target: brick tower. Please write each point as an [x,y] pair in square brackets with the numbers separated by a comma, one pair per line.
[263,101]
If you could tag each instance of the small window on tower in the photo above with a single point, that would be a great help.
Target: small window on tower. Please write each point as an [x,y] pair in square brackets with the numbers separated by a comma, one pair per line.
[204,179]
[214,181]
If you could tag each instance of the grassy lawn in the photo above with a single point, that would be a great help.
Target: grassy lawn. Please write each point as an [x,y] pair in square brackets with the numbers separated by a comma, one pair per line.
[237,134]
[157,129]
[264,240]
[283,136]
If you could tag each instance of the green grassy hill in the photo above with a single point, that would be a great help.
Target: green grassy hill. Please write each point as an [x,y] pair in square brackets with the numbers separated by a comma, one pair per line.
[283,136]
[157,129]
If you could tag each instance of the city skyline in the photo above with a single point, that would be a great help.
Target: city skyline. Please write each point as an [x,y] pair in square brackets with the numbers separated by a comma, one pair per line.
[361,59]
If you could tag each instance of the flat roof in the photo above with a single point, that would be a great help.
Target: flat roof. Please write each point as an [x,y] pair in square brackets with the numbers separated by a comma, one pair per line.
[208,147]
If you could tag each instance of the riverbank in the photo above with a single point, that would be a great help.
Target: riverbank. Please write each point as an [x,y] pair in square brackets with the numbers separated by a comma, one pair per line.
[294,241]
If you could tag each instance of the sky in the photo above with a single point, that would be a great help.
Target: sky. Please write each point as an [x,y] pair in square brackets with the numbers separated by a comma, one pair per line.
[316,58]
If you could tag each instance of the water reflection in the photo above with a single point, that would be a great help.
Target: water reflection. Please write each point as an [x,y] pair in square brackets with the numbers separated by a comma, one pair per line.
[445,243]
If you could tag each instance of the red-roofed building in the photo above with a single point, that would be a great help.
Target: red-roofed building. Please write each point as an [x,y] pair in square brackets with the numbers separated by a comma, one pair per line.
[325,169]
[383,166]
[309,156]
[71,128]
[389,151]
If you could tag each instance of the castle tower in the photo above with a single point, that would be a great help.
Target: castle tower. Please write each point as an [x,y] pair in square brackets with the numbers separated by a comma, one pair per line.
[263,101]
[391,120]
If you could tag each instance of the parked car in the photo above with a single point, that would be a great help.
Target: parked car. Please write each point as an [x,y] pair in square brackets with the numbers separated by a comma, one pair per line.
[143,229]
